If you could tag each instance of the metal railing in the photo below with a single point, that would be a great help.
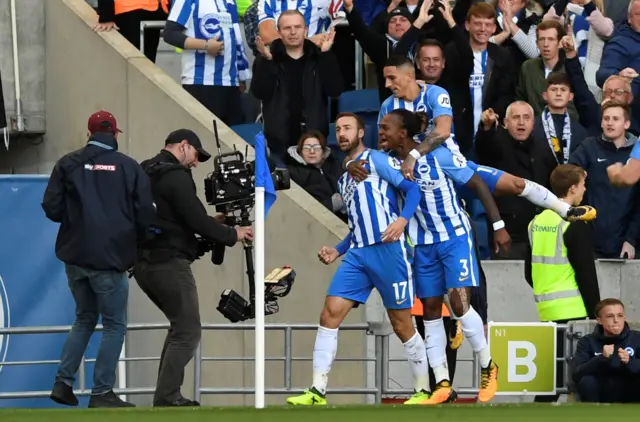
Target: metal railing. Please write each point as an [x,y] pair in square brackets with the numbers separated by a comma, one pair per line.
[381,362]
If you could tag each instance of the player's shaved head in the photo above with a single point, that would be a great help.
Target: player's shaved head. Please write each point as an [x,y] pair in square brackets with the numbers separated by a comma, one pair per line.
[400,62]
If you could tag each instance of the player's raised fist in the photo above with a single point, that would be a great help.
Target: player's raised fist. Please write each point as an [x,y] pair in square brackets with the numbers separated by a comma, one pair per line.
[327,255]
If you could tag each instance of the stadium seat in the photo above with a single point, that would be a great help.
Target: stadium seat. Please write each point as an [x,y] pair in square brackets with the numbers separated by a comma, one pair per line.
[332,141]
[364,102]
[359,101]
[248,131]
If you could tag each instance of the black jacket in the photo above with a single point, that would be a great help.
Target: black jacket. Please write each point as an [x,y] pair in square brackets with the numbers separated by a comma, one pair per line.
[321,80]
[102,199]
[588,359]
[498,88]
[578,239]
[180,214]
[320,182]
[618,208]
[578,132]
[379,47]
[528,160]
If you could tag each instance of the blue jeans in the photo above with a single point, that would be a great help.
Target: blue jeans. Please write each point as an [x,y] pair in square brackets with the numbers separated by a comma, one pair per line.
[96,293]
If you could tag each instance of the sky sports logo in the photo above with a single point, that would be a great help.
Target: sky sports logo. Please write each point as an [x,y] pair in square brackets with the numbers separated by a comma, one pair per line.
[99,167]
[5,322]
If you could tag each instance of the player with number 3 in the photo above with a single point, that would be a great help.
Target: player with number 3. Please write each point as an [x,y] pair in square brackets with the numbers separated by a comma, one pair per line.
[444,258]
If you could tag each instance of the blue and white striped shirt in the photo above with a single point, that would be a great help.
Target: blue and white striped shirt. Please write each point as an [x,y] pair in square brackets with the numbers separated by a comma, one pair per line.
[211,19]
[439,216]
[434,101]
[315,12]
[373,204]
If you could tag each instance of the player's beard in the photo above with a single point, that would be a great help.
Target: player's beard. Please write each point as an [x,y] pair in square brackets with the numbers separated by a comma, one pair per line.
[353,144]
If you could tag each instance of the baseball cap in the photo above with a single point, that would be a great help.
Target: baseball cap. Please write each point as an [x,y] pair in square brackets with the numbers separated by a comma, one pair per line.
[401,11]
[180,135]
[103,121]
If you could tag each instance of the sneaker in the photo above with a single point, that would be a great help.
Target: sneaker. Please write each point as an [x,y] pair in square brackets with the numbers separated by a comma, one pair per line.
[457,338]
[418,397]
[581,213]
[63,394]
[181,402]
[443,393]
[310,397]
[488,382]
[108,399]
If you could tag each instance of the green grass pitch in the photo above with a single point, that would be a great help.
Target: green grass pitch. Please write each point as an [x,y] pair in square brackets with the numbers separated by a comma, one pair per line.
[388,413]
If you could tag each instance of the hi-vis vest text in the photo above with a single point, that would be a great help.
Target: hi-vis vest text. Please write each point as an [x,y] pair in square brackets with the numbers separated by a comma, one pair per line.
[554,284]
[124,6]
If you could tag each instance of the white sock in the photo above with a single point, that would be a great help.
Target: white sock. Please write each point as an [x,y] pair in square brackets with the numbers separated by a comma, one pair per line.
[474,332]
[436,342]
[543,197]
[417,356]
[324,352]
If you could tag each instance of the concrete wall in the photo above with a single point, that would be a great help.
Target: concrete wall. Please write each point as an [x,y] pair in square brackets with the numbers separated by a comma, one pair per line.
[31,48]
[87,71]
[511,300]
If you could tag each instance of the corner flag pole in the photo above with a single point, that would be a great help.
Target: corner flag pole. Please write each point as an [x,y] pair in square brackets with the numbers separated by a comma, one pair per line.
[259,243]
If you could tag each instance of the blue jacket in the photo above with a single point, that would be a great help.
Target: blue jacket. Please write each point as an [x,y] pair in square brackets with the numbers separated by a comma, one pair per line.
[618,208]
[620,52]
[588,359]
[102,198]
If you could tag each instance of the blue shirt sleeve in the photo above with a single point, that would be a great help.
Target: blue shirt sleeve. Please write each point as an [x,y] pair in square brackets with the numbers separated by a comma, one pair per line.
[388,168]
[438,101]
[454,166]
[344,245]
[635,152]
[181,11]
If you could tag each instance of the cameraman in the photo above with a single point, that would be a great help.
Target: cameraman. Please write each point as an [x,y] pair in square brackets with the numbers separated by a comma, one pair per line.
[163,270]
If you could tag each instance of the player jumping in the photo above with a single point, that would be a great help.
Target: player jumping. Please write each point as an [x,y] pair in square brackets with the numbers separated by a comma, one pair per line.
[375,257]
[435,102]
[444,257]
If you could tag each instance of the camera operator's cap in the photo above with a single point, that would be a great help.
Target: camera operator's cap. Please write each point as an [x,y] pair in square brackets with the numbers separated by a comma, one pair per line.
[190,136]
[103,121]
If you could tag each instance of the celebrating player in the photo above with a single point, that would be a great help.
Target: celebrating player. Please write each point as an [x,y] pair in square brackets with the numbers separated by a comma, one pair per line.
[434,101]
[444,257]
[375,257]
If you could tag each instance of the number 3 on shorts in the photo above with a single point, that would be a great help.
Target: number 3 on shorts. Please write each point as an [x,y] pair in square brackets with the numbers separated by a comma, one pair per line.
[464,273]
[400,290]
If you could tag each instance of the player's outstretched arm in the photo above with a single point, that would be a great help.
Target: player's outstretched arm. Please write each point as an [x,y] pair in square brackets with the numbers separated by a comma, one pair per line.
[344,246]
[387,169]
[501,238]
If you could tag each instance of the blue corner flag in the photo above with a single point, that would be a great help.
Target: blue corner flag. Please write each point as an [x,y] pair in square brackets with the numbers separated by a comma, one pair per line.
[263,175]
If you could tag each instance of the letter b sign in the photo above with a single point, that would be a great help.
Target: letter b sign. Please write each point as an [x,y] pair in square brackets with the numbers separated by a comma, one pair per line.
[521,368]
[526,353]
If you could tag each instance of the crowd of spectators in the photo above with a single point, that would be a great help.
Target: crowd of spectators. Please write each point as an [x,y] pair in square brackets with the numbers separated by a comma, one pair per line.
[528,80]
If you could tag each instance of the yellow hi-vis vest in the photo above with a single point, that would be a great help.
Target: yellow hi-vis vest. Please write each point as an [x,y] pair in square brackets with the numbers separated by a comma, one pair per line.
[554,280]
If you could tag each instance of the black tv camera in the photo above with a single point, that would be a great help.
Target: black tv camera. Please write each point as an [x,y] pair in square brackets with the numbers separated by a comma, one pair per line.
[231,189]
